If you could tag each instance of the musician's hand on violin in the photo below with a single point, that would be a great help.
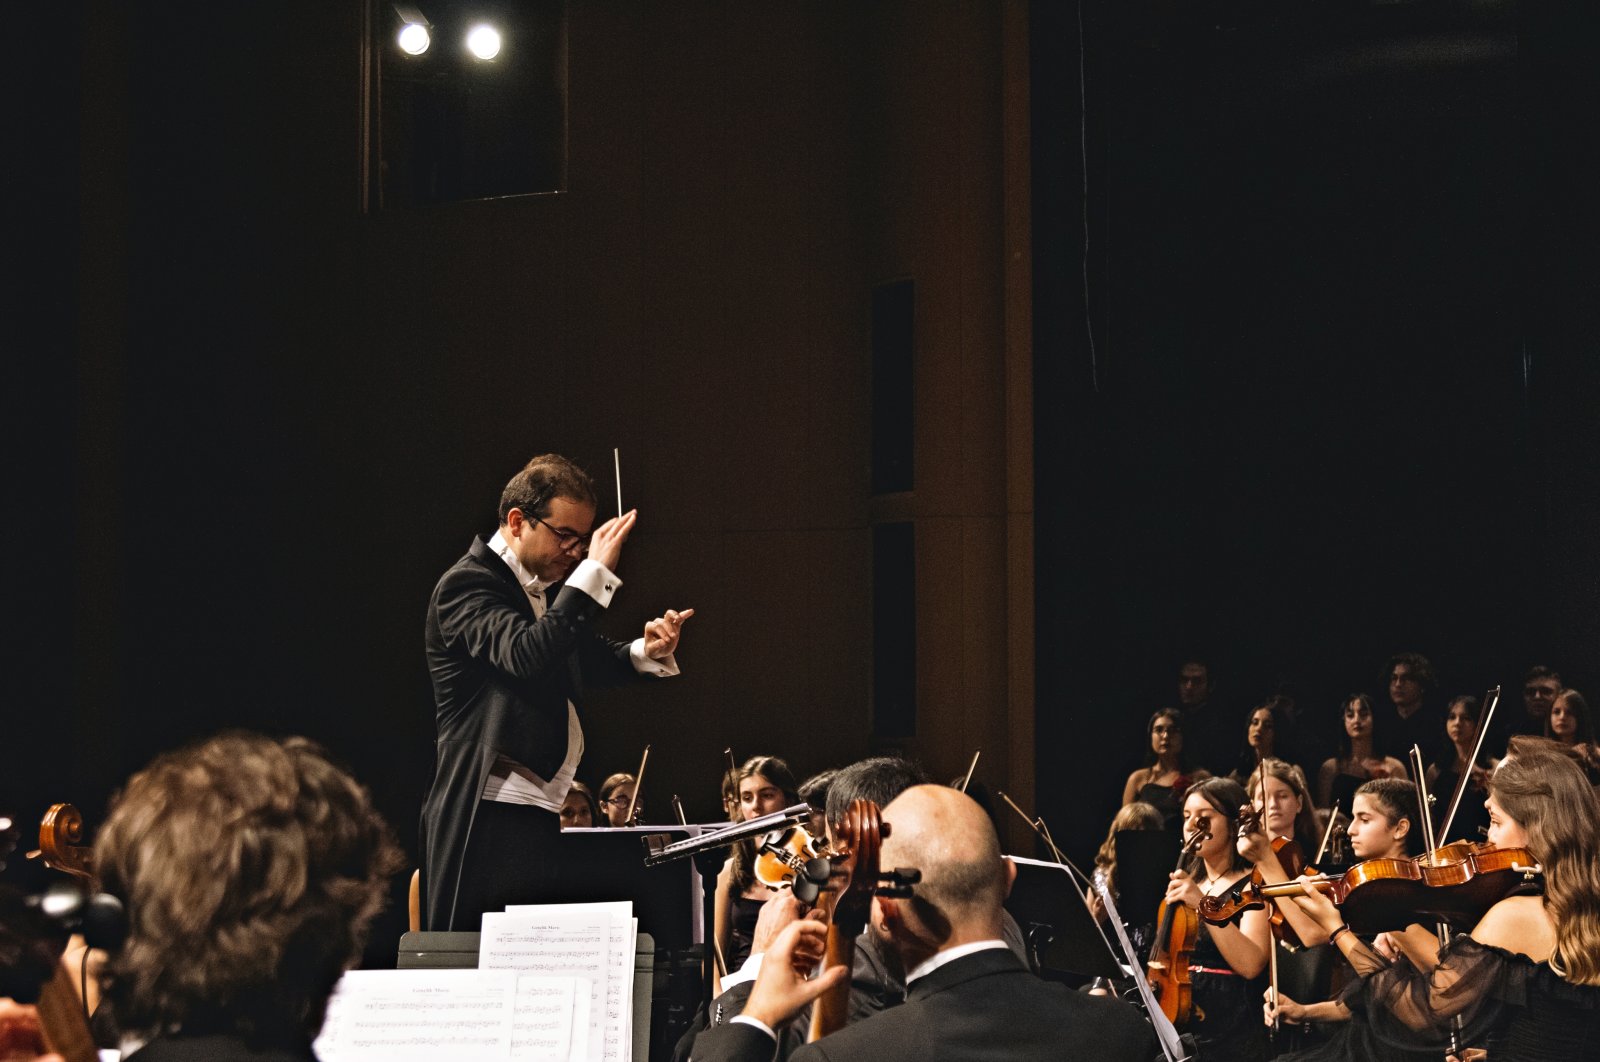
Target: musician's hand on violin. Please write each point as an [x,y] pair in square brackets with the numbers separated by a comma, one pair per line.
[661,634]
[1182,889]
[783,988]
[1097,907]
[1316,904]
[1471,1054]
[1255,846]
[777,914]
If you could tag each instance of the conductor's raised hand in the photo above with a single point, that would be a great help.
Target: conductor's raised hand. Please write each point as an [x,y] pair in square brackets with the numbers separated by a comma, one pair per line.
[605,546]
[783,988]
[661,634]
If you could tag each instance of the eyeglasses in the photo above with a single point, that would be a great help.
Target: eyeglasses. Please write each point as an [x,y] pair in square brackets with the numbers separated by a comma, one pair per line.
[565,540]
[621,802]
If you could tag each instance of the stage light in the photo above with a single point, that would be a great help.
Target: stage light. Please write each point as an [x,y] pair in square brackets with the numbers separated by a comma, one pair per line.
[414,39]
[483,41]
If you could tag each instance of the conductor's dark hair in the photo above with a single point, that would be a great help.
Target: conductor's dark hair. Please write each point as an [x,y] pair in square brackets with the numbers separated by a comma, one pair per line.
[545,478]
[879,780]
[251,869]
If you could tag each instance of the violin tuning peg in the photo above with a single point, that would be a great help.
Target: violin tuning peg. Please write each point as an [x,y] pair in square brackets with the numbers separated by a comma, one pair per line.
[907,875]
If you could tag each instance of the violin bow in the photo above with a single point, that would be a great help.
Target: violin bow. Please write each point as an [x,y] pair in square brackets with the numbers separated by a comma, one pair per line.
[1491,700]
[1327,834]
[1424,809]
[638,784]
[973,766]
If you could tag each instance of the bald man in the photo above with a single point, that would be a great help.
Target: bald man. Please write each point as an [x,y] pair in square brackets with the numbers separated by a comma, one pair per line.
[968,996]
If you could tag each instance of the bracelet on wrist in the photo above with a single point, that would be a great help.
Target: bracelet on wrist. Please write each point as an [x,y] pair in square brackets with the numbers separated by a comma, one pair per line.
[1334,936]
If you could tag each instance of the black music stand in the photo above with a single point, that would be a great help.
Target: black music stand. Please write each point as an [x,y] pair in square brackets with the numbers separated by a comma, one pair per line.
[608,864]
[1062,935]
[1144,866]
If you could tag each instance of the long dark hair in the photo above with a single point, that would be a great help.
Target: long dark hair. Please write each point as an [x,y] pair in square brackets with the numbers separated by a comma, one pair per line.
[1344,735]
[779,774]
[1227,796]
[1150,757]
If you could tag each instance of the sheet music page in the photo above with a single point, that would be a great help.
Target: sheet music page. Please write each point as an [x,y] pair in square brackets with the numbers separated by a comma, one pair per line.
[587,940]
[405,1014]
[551,1019]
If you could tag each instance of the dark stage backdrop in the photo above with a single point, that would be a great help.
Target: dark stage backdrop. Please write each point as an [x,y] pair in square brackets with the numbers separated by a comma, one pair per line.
[1318,405]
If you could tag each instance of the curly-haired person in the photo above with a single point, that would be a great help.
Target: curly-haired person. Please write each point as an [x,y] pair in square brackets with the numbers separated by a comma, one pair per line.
[251,869]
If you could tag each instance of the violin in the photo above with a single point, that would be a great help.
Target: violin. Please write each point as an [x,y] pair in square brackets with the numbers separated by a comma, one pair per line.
[1455,884]
[782,857]
[1177,933]
[1289,857]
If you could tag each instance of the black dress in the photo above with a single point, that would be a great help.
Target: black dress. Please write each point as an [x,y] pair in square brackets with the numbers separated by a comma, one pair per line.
[1517,1009]
[1227,1008]
[1167,799]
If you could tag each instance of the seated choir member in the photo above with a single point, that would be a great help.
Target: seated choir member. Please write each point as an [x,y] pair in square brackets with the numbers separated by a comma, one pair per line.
[578,809]
[1571,723]
[251,869]
[969,995]
[766,784]
[1360,758]
[1266,735]
[1166,775]
[1524,984]
[616,793]
[1461,734]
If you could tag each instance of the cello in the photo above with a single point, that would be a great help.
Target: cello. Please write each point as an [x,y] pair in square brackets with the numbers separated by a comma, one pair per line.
[1177,933]
[853,878]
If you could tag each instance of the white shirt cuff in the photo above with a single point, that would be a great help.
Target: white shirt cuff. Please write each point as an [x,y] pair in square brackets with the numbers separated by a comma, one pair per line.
[666,667]
[757,1022]
[596,580]
[747,972]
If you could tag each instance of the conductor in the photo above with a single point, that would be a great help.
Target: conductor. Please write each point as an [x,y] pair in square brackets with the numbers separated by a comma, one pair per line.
[512,649]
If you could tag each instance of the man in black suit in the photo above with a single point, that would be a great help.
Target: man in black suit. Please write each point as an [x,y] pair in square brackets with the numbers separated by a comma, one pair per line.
[512,647]
[969,997]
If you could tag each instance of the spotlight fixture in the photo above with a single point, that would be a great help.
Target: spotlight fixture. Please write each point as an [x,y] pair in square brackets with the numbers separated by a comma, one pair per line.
[483,41]
[414,39]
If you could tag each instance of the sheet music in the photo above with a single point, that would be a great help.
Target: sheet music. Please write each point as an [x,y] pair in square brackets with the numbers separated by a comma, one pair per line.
[550,1021]
[592,941]
[385,1014]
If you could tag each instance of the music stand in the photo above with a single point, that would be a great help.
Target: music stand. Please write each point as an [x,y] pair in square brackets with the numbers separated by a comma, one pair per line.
[608,864]
[1062,935]
[1144,866]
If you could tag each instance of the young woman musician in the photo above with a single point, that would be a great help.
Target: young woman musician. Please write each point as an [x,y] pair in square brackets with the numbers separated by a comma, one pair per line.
[1524,985]
[1166,775]
[766,784]
[1358,759]
[616,793]
[579,809]
[1229,961]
